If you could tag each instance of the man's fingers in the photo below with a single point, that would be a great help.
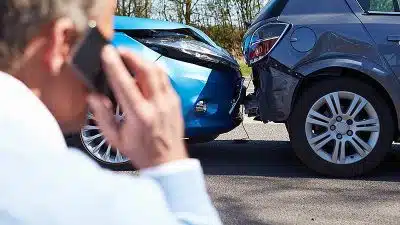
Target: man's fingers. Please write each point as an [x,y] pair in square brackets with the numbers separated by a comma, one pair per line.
[121,81]
[104,116]
[149,77]
[166,83]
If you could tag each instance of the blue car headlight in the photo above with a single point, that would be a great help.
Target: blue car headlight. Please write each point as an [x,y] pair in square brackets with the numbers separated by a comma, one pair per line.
[183,45]
[192,51]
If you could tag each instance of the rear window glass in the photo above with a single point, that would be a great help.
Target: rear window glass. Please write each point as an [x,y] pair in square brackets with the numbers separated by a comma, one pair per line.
[380,5]
[272,9]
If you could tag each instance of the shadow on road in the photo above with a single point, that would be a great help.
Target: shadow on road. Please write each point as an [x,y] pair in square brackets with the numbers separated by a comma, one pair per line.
[274,159]
[242,216]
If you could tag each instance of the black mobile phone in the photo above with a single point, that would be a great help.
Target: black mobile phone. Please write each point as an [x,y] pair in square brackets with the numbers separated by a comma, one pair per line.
[86,60]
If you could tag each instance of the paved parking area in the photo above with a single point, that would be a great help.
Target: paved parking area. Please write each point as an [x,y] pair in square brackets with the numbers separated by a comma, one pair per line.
[262,182]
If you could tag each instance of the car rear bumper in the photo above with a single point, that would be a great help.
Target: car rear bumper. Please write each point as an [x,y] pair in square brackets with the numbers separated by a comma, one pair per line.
[275,94]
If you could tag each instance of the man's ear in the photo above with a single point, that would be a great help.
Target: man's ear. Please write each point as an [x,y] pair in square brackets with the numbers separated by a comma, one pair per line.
[62,36]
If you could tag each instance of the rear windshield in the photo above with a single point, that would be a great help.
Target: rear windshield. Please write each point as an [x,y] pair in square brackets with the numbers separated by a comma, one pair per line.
[272,9]
[380,5]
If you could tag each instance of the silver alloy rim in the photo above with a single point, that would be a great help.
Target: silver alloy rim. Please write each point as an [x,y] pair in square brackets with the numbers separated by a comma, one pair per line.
[342,127]
[96,144]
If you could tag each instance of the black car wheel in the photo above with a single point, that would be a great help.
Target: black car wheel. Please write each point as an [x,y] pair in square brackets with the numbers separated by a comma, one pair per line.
[201,139]
[341,127]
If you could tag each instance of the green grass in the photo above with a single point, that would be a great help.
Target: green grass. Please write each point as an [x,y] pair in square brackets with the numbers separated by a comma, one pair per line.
[246,71]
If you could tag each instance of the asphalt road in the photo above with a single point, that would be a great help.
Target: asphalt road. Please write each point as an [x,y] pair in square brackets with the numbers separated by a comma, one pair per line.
[262,182]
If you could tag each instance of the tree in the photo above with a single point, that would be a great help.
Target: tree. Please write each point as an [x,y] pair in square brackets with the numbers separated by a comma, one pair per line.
[137,8]
[183,10]
[223,20]
[247,10]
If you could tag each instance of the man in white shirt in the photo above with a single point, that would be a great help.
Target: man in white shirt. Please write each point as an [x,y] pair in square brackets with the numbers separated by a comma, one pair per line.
[42,182]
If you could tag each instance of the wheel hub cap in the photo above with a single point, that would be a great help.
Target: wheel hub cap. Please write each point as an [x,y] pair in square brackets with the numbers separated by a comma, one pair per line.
[342,127]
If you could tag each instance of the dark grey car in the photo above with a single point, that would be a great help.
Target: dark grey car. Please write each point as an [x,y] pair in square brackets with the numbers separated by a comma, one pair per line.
[330,70]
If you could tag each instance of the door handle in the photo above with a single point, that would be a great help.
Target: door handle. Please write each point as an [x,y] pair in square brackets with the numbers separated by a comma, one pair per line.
[394,38]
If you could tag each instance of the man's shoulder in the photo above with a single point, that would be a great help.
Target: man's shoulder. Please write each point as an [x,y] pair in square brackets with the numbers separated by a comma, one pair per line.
[25,121]
[16,94]
[11,85]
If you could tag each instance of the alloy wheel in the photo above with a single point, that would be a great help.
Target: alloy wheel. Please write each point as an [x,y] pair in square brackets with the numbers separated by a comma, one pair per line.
[342,127]
[96,144]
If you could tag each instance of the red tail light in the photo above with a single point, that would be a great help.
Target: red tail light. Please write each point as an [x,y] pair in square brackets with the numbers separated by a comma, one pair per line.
[262,49]
[262,41]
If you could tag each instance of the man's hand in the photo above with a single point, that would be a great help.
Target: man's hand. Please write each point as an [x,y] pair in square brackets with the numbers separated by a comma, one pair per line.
[152,132]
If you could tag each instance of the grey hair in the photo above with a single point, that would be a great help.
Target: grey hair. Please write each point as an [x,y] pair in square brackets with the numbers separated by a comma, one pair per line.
[21,20]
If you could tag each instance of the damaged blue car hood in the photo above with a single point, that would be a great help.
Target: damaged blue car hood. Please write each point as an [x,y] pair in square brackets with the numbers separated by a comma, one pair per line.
[133,23]
[126,24]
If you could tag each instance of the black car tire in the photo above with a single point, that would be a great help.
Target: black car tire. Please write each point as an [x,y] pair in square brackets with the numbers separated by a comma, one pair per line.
[297,133]
[201,139]
[75,141]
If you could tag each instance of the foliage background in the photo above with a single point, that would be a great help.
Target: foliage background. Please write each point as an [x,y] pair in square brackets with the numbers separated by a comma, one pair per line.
[223,20]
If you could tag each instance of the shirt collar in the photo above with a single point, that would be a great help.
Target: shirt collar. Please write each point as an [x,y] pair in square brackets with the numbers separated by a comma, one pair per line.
[24,114]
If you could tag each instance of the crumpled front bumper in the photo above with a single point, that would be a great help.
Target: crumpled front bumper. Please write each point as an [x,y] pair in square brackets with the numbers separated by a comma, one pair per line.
[221,90]
[239,96]
[227,115]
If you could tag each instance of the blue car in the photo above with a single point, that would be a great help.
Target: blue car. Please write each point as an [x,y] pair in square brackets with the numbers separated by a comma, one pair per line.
[206,77]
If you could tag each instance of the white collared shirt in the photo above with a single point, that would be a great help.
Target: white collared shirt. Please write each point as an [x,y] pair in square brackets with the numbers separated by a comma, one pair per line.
[42,182]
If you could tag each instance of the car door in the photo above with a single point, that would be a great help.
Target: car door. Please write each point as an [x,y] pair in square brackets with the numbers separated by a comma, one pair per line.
[382,20]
